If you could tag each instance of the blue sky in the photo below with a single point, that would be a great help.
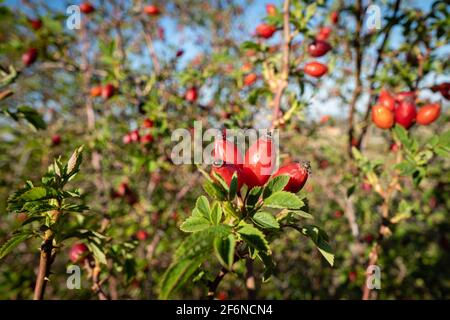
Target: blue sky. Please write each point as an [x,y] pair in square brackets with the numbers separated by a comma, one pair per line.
[253,15]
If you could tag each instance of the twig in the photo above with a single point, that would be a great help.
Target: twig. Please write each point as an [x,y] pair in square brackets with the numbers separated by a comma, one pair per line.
[384,226]
[45,262]
[283,80]
[373,74]
[358,85]
[151,49]
[250,280]
[212,287]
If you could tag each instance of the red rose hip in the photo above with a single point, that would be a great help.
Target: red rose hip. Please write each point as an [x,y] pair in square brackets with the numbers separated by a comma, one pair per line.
[78,252]
[315,69]
[298,174]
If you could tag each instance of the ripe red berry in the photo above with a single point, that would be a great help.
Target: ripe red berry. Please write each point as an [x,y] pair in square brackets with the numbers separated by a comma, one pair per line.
[179,53]
[126,139]
[265,30]
[134,136]
[148,123]
[368,238]
[259,162]
[298,174]
[324,33]
[382,117]
[146,139]
[152,10]
[250,79]
[227,152]
[78,252]
[405,113]
[30,56]
[36,24]
[325,118]
[315,69]
[96,91]
[222,295]
[56,139]
[226,171]
[367,187]
[338,213]
[428,114]
[323,164]
[86,7]
[387,99]
[334,17]
[443,88]
[271,9]
[191,94]
[318,48]
[142,235]
[405,95]
[108,91]
[394,147]
[352,276]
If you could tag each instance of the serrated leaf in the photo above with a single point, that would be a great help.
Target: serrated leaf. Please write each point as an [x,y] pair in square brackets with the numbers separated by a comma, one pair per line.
[283,199]
[224,250]
[194,224]
[214,191]
[97,251]
[266,220]
[13,242]
[38,193]
[177,274]
[320,238]
[233,186]
[402,135]
[275,184]
[302,214]
[253,196]
[216,213]
[202,206]
[254,238]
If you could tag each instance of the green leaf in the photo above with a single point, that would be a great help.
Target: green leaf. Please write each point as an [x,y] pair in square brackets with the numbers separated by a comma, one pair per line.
[254,238]
[229,210]
[39,193]
[302,214]
[13,242]
[202,205]
[216,213]
[319,237]
[253,196]
[32,116]
[402,135]
[275,184]
[177,274]
[224,250]
[233,186]
[97,251]
[214,191]
[266,220]
[194,224]
[350,190]
[283,199]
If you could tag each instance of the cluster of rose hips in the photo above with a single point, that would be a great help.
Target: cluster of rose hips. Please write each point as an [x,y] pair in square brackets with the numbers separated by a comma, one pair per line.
[134,136]
[257,166]
[106,91]
[318,48]
[401,108]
